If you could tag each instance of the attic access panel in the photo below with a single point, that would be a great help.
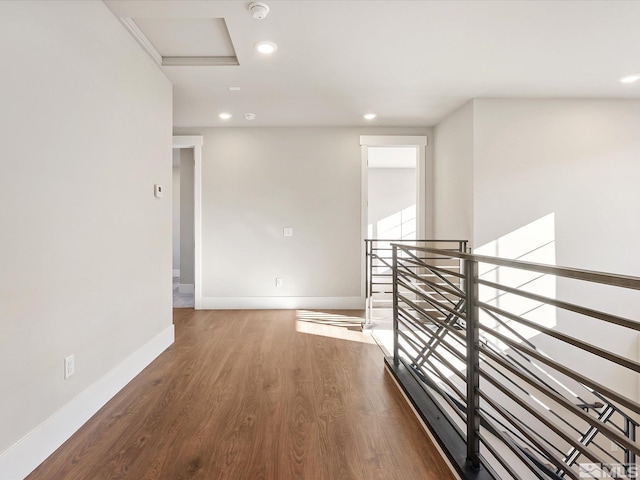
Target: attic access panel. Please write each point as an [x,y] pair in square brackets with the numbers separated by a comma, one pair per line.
[185,41]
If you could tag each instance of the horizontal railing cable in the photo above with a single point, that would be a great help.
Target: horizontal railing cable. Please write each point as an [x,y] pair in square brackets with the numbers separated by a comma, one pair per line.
[571,340]
[624,281]
[617,320]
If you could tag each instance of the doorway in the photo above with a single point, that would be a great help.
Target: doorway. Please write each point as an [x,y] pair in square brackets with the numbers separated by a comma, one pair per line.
[397,152]
[412,147]
[183,241]
[394,208]
[392,186]
[186,199]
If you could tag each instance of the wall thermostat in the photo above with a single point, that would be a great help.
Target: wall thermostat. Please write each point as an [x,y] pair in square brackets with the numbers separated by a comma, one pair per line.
[157,190]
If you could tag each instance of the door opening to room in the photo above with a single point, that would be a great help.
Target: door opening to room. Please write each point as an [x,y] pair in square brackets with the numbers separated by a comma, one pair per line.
[395,209]
[392,215]
[392,189]
[183,228]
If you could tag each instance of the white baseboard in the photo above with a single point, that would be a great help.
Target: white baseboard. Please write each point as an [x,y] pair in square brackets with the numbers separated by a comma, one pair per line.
[176,272]
[257,303]
[186,288]
[30,451]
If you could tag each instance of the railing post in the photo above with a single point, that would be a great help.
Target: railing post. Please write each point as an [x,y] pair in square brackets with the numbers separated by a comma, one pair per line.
[630,433]
[371,247]
[473,363]
[366,269]
[367,280]
[396,359]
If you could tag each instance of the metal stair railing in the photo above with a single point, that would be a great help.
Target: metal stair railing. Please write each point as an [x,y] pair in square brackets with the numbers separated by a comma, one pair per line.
[378,268]
[587,437]
[520,411]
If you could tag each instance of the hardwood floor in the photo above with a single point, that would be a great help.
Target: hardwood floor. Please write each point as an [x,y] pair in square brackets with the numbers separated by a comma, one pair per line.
[248,395]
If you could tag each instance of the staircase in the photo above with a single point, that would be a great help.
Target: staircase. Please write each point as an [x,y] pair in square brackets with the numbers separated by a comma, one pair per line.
[379,285]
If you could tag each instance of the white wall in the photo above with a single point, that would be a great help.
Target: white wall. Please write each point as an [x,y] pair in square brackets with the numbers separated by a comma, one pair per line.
[575,158]
[453,174]
[85,126]
[256,181]
[392,194]
[575,161]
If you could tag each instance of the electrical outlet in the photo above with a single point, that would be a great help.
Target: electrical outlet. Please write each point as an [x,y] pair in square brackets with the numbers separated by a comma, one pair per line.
[69,366]
[278,282]
[288,231]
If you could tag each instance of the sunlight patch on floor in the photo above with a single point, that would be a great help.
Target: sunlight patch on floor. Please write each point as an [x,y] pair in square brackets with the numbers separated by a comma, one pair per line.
[330,324]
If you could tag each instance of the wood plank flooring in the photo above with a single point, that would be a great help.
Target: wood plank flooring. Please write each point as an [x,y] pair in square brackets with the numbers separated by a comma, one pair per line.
[248,395]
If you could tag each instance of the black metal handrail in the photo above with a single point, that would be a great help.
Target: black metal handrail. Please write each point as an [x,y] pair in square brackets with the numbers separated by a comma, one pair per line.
[520,409]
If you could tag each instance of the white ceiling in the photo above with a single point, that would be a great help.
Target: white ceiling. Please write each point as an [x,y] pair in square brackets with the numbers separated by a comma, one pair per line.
[411,62]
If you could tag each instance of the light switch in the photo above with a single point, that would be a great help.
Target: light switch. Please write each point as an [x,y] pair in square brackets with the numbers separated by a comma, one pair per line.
[69,366]
[288,232]
[157,190]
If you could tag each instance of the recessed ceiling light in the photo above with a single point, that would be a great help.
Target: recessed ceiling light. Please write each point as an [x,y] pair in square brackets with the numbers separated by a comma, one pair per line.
[234,89]
[250,116]
[630,78]
[266,47]
[225,116]
[370,116]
